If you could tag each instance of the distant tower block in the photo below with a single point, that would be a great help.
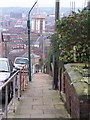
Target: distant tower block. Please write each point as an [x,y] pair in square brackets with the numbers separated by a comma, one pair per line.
[38,24]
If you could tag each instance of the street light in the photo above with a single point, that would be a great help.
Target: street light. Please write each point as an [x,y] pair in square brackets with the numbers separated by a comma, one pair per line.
[28,25]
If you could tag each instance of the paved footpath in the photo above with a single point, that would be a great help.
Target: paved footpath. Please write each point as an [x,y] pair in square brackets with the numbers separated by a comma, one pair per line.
[40,101]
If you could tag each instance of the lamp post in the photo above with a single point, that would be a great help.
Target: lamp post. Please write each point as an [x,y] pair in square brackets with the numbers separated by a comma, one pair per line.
[29,57]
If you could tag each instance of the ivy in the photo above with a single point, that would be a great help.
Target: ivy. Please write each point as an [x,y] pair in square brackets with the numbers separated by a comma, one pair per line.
[72,31]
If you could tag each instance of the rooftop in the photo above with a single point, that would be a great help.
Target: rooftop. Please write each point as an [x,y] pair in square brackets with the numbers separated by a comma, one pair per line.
[38,17]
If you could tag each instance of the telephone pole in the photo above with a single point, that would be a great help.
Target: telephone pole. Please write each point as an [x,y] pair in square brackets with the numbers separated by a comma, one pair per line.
[55,59]
[57,10]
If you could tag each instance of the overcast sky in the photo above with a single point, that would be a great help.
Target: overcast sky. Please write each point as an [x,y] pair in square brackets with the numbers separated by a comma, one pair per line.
[41,3]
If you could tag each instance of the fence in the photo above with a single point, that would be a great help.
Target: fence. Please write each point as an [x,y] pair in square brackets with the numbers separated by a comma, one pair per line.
[18,81]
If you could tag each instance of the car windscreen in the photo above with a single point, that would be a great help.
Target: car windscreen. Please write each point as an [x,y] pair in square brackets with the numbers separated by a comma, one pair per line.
[21,61]
[4,66]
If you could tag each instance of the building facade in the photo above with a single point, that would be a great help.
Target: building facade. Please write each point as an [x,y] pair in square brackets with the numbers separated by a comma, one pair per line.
[38,24]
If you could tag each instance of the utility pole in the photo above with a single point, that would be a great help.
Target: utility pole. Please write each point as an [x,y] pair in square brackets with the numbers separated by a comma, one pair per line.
[57,10]
[55,59]
[72,6]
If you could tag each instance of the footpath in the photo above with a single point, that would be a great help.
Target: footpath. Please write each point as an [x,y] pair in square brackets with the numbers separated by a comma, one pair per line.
[39,100]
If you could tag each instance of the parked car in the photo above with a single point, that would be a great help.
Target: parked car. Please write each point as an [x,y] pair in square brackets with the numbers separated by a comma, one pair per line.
[19,62]
[6,70]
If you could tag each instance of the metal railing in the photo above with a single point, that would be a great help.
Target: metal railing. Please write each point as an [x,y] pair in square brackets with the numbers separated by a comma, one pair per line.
[19,81]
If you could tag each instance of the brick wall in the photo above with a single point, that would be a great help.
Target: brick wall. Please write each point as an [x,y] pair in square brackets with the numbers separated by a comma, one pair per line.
[77,105]
[72,101]
[85,110]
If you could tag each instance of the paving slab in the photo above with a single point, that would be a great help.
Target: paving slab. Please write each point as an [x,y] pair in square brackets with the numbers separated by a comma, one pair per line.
[39,100]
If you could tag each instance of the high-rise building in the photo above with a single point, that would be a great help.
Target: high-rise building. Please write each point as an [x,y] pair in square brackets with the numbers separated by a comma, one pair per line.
[38,24]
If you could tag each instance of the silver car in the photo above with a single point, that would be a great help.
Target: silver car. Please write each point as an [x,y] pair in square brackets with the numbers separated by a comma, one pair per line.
[6,70]
[19,62]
